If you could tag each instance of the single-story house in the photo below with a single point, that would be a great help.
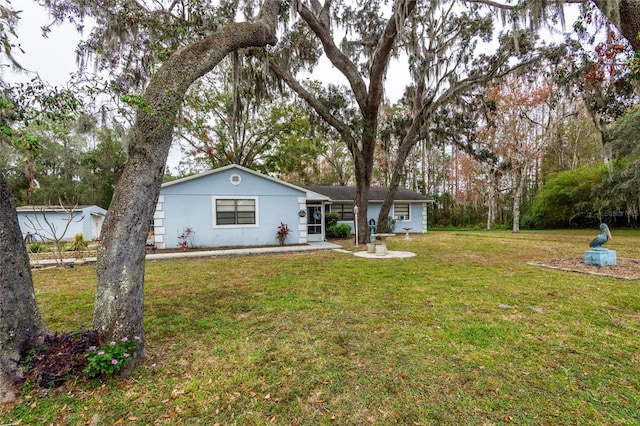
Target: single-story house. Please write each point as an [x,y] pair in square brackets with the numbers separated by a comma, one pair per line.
[47,223]
[409,207]
[236,206]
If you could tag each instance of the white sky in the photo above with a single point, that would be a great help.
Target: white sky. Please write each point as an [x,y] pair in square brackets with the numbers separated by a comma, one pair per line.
[53,58]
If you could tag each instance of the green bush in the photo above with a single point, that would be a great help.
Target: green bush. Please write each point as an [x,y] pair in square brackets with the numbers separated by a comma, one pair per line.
[338,231]
[331,219]
[110,358]
[38,248]
[567,200]
[78,243]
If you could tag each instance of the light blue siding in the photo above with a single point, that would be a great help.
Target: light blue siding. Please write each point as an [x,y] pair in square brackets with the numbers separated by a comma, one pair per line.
[46,224]
[191,203]
[417,217]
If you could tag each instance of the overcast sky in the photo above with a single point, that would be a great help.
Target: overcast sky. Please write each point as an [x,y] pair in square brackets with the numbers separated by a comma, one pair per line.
[53,58]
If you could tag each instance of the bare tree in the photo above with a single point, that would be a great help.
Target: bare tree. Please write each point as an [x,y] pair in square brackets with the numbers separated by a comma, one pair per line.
[48,230]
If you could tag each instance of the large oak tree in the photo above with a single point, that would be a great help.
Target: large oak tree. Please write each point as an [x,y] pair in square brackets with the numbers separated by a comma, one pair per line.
[20,320]
[437,38]
[120,283]
[120,295]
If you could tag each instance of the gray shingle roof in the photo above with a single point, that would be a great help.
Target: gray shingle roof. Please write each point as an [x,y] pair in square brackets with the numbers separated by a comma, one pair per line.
[376,193]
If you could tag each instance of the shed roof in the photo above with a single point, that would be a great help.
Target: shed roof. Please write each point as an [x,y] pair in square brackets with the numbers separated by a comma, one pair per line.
[57,208]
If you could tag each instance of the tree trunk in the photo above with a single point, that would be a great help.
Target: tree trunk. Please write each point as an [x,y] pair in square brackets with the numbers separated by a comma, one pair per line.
[624,14]
[491,213]
[517,199]
[363,170]
[385,209]
[20,321]
[362,200]
[368,98]
[516,211]
[119,302]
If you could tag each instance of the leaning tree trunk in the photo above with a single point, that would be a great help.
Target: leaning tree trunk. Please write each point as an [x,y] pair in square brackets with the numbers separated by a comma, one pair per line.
[624,14]
[407,144]
[120,267]
[20,321]
[398,171]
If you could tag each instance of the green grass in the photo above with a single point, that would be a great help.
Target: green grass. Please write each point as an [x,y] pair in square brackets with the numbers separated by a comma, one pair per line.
[464,333]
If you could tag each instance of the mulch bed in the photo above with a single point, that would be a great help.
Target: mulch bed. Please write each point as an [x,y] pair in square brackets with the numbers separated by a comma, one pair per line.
[628,269]
[60,355]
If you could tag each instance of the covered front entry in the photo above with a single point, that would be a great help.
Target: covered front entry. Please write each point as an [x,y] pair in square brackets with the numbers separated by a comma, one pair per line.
[314,223]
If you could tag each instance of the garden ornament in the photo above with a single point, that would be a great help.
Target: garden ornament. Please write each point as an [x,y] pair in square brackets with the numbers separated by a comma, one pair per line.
[602,238]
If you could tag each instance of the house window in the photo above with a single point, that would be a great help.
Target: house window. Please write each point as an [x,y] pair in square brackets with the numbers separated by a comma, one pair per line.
[345,211]
[233,211]
[401,212]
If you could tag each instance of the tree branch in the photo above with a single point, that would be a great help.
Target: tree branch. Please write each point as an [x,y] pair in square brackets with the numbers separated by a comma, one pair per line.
[336,56]
[343,129]
[380,59]
[504,6]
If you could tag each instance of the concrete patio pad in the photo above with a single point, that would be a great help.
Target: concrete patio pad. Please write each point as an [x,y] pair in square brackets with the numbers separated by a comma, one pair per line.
[389,255]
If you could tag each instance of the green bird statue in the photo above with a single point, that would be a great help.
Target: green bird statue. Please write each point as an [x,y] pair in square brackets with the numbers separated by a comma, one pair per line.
[602,238]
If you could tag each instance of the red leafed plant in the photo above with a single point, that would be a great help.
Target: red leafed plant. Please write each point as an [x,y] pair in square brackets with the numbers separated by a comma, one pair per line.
[283,231]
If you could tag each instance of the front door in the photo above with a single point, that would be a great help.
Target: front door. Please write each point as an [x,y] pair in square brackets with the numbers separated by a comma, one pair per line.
[314,223]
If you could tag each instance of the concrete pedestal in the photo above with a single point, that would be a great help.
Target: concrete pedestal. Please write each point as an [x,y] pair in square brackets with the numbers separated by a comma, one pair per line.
[600,257]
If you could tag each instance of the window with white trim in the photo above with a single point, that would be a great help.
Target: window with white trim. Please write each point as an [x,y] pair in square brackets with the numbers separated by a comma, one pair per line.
[401,211]
[345,211]
[235,211]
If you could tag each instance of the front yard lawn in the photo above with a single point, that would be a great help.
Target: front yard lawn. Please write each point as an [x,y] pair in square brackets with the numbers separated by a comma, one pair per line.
[466,332]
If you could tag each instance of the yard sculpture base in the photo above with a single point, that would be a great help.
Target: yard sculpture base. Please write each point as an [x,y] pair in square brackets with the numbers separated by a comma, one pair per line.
[600,257]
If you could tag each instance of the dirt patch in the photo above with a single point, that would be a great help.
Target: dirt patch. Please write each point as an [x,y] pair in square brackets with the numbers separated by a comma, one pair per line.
[628,269]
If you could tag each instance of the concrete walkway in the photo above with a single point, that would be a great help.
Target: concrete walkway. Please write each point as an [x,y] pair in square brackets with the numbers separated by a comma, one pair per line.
[321,245]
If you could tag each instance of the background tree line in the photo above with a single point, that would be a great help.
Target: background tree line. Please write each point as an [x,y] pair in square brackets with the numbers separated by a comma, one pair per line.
[483,154]
[535,145]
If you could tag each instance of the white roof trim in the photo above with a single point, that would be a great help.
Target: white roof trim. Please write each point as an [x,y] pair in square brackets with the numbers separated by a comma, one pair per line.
[57,209]
[310,194]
